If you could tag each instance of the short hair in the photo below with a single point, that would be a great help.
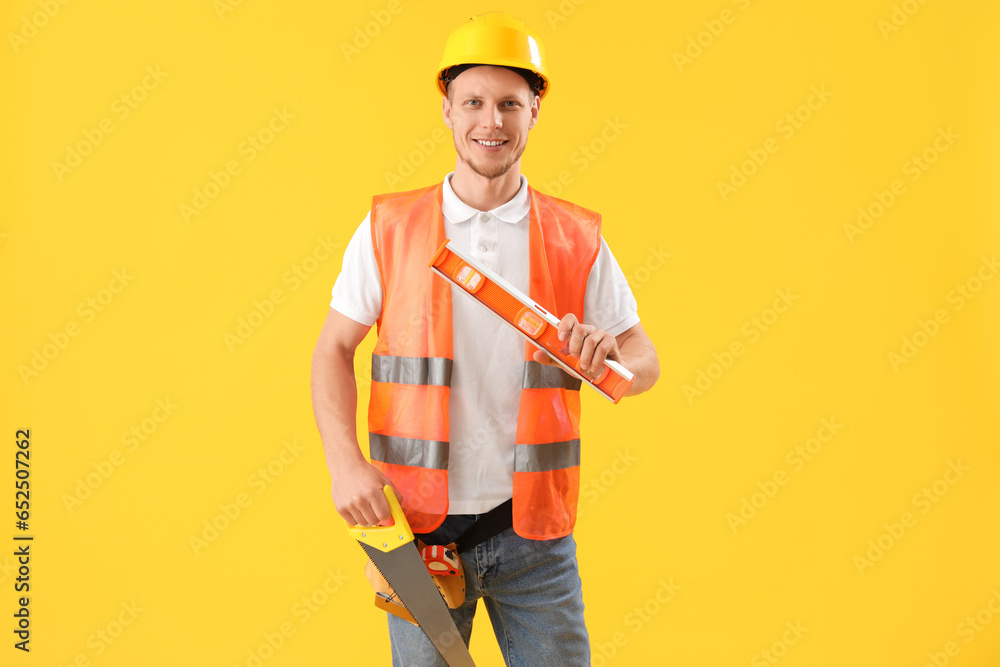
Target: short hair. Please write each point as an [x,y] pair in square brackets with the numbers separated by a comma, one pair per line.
[535,82]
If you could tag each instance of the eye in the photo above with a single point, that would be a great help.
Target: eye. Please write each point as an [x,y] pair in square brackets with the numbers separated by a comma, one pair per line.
[472,102]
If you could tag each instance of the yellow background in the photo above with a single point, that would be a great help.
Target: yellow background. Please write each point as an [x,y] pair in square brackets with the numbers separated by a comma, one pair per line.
[667,579]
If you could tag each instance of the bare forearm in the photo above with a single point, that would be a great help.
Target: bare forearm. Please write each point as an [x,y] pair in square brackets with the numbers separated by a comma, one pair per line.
[639,356]
[356,484]
[335,404]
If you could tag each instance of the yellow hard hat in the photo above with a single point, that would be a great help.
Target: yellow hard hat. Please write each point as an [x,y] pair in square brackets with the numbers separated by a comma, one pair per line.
[494,38]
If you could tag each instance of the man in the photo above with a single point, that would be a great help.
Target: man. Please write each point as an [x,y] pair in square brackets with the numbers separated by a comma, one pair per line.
[465,415]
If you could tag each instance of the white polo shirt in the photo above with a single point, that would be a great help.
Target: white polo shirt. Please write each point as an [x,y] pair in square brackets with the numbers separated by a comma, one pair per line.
[488,354]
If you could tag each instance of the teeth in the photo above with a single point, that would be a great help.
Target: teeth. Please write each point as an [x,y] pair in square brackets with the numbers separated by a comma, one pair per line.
[489,143]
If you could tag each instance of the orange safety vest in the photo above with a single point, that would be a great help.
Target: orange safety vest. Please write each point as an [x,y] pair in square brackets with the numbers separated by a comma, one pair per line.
[412,362]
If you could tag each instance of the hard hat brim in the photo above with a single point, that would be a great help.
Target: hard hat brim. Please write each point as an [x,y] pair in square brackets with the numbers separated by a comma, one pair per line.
[543,81]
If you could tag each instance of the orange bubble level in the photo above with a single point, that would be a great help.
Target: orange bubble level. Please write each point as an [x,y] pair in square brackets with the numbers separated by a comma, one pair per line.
[528,318]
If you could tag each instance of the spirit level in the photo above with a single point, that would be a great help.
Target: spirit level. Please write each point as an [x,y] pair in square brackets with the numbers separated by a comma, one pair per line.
[527,317]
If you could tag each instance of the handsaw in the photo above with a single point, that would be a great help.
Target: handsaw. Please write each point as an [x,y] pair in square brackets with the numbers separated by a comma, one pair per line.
[528,318]
[394,552]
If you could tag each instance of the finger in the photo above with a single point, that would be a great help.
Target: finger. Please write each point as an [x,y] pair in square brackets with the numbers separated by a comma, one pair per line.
[602,351]
[368,509]
[362,508]
[399,496]
[381,505]
[587,347]
[382,518]
[566,325]
[381,509]
[579,334]
[603,346]
[357,515]
[542,358]
[372,503]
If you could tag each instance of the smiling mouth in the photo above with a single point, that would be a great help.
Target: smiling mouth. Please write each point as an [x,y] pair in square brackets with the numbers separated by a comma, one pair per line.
[490,143]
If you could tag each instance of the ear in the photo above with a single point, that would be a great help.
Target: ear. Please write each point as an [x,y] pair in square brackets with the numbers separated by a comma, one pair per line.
[446,112]
[535,106]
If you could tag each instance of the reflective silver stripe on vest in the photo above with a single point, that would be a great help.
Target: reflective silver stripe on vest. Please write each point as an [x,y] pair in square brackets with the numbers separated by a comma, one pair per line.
[411,370]
[550,456]
[542,376]
[409,451]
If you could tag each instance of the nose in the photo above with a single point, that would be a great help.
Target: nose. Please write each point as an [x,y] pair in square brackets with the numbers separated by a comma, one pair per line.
[492,119]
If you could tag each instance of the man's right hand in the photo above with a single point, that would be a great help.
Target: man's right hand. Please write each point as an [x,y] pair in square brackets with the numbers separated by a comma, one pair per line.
[357,493]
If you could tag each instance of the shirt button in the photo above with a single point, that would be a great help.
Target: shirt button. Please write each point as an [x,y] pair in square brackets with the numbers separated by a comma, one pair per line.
[484,217]
[482,247]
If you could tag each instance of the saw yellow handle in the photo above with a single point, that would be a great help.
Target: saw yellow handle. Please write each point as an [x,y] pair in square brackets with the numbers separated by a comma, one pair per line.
[385,538]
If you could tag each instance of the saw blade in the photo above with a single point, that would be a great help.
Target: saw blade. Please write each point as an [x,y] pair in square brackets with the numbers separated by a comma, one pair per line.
[405,571]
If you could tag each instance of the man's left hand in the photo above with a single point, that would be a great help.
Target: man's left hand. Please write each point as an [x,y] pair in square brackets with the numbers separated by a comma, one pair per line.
[590,344]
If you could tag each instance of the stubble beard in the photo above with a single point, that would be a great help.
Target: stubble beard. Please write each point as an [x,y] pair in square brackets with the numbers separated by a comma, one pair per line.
[491,170]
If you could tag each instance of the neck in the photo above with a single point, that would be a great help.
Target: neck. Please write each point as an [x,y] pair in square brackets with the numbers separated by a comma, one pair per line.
[485,194]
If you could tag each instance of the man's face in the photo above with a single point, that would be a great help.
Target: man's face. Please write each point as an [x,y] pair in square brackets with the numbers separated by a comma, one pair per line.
[487,105]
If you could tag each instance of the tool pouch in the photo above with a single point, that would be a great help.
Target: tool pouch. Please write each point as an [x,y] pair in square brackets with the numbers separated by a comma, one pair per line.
[451,586]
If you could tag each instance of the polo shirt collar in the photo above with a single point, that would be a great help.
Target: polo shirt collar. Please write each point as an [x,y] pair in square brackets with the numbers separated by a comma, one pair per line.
[456,210]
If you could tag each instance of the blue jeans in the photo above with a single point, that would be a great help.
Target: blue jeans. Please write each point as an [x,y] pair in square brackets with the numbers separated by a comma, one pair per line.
[532,592]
